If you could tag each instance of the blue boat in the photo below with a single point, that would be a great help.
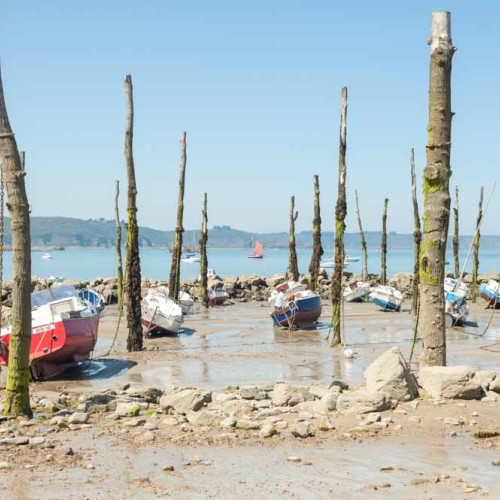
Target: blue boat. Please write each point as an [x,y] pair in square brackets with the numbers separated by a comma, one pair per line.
[387,297]
[490,292]
[92,298]
[295,307]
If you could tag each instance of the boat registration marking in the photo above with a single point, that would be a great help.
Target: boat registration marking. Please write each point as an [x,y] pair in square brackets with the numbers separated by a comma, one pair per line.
[45,328]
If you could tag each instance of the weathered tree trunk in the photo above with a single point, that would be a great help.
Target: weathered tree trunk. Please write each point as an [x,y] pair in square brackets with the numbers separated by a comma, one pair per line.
[456,236]
[133,263]
[340,215]
[203,253]
[363,241]
[475,261]
[119,269]
[317,251]
[383,246]
[293,267]
[175,269]
[436,195]
[17,399]
[417,235]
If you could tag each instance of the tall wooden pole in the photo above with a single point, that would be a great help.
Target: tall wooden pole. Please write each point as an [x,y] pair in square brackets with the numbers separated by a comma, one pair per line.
[383,246]
[475,260]
[417,234]
[203,254]
[119,270]
[317,251]
[293,267]
[340,215]
[363,241]
[133,262]
[17,399]
[456,236]
[175,269]
[436,194]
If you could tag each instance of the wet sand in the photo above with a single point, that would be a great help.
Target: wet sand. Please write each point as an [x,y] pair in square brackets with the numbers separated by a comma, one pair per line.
[237,345]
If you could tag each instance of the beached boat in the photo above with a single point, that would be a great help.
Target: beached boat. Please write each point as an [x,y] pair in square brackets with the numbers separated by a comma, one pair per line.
[217,297]
[356,291]
[46,256]
[294,306]
[387,297]
[64,329]
[491,293]
[257,251]
[455,296]
[210,274]
[160,313]
[190,258]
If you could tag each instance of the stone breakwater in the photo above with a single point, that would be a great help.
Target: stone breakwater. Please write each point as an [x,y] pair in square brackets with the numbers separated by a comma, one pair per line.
[245,288]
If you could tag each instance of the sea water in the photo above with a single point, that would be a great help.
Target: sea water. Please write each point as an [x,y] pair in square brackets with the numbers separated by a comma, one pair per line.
[155,264]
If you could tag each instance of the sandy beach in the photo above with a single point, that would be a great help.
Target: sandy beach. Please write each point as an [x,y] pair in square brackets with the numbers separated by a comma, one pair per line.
[427,449]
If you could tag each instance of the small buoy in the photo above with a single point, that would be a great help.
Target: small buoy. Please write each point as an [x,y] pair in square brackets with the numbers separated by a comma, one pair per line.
[348,353]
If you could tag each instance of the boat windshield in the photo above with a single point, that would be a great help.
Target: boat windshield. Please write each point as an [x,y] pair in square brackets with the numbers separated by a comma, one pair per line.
[49,295]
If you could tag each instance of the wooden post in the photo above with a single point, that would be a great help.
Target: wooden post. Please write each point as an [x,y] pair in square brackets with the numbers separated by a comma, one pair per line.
[363,241]
[133,262]
[417,235]
[436,194]
[456,236]
[203,254]
[17,398]
[119,270]
[175,269]
[340,215]
[475,261]
[317,251]
[293,268]
[383,246]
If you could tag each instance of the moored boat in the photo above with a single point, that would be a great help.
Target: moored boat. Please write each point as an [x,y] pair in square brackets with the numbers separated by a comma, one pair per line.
[257,251]
[387,297]
[46,256]
[294,306]
[217,297]
[490,292]
[190,258]
[356,291]
[160,313]
[455,296]
[348,258]
[64,331]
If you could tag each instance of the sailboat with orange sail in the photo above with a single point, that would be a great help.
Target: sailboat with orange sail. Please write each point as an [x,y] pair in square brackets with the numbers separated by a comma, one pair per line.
[257,251]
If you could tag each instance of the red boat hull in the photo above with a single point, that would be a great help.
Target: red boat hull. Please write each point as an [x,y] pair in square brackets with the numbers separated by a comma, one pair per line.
[58,346]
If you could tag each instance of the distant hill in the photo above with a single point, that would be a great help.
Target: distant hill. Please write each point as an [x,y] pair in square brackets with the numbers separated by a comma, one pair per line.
[49,232]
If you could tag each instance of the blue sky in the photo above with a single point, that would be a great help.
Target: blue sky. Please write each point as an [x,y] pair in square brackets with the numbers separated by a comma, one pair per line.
[256,85]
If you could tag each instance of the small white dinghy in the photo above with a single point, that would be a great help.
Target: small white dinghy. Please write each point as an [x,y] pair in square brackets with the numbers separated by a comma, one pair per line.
[356,291]
[160,313]
[387,297]
[455,296]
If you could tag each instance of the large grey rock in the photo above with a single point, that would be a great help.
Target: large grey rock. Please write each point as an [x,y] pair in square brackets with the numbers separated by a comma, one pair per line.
[362,401]
[290,395]
[203,417]
[450,382]
[78,418]
[390,373]
[275,280]
[485,378]
[237,407]
[403,282]
[184,400]
[302,430]
[247,425]
[495,385]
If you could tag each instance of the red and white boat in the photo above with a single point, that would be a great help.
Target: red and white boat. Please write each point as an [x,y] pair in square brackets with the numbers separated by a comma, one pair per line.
[64,329]
[160,313]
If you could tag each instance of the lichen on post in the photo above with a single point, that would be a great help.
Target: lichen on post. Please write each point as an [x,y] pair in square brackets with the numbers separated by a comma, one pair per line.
[292,272]
[456,236]
[477,237]
[363,241]
[340,215]
[436,194]
[417,235]
[203,254]
[383,245]
[17,398]
[175,268]
[119,265]
[133,262]
[317,250]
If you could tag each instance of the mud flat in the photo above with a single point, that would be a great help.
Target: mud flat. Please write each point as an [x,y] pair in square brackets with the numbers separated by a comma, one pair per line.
[101,432]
